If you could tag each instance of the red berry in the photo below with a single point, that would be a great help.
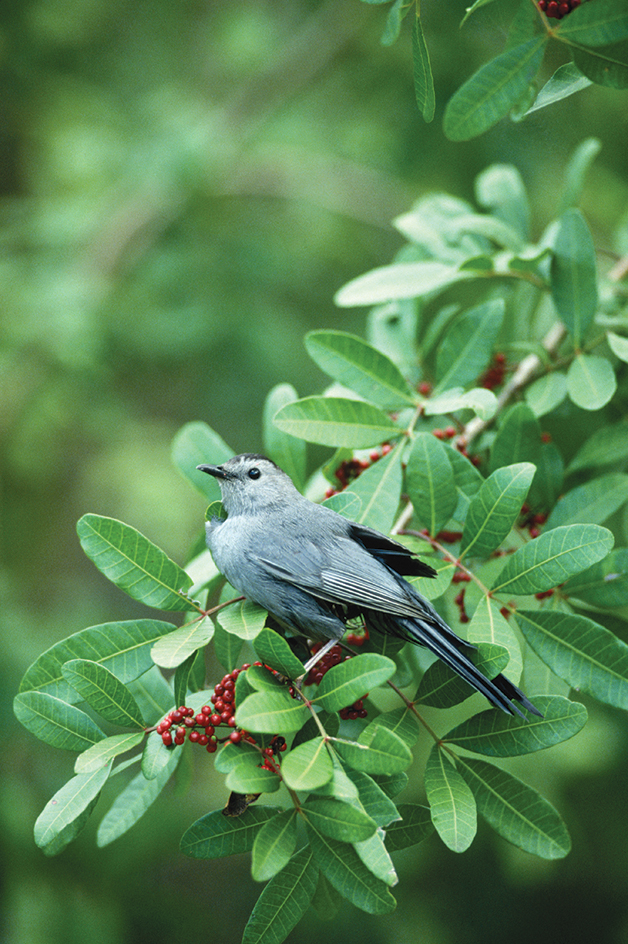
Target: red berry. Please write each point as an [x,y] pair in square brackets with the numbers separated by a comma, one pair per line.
[505,612]
[211,747]
[564,9]
[209,730]
[189,722]
[166,737]
[235,737]
[450,432]
[534,532]
[176,715]
[232,721]
[386,448]
[202,739]
[194,736]
[546,437]
[438,433]
[374,456]
[552,9]
[206,710]
[425,388]
[216,720]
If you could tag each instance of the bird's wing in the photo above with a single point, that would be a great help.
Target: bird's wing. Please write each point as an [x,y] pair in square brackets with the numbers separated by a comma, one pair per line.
[395,555]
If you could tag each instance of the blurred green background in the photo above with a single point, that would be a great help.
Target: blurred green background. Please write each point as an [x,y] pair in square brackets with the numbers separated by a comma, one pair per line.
[184,186]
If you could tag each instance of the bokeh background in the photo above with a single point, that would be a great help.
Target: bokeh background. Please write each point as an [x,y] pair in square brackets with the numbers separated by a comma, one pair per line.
[184,184]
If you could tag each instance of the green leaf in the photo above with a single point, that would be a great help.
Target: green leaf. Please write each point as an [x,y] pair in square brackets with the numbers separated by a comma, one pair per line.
[244,619]
[378,750]
[274,845]
[451,802]
[153,695]
[343,821]
[546,393]
[272,649]
[575,172]
[197,444]
[333,421]
[415,826]
[607,446]
[346,872]
[489,95]
[500,189]
[422,70]
[67,806]
[567,80]
[467,480]
[618,345]
[98,755]
[604,23]
[343,684]
[547,484]
[155,756]
[466,348]
[56,722]
[573,274]
[605,584]
[214,835]
[606,65]
[376,858]
[181,679]
[397,12]
[227,648]
[173,649]
[134,563]
[341,786]
[589,657]
[361,367]
[124,648]
[249,777]
[288,452]
[430,482]
[271,713]
[489,626]
[307,766]
[496,734]
[344,503]
[494,510]
[375,802]
[516,811]
[261,679]
[400,280]
[378,489]
[392,784]
[591,381]
[103,692]
[131,804]
[591,503]
[550,559]
[284,901]
[479,399]
[401,721]
[441,687]
[231,755]
[518,438]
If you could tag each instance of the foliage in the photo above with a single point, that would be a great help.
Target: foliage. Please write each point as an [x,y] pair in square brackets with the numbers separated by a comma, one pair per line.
[593,35]
[435,420]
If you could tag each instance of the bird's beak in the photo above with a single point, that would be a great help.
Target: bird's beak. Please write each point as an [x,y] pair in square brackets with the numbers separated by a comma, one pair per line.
[216,470]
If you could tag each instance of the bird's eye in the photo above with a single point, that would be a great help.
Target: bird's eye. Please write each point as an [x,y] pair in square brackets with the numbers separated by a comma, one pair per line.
[254,473]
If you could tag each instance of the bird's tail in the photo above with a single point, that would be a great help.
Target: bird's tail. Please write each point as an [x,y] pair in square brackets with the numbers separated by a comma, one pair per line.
[436,636]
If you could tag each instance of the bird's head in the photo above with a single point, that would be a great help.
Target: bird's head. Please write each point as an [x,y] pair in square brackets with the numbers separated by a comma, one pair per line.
[250,483]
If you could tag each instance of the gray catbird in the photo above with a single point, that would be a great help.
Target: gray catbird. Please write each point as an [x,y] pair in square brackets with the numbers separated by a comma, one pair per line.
[313,570]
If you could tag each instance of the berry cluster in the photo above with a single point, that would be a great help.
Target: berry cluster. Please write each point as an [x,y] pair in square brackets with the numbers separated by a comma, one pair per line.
[494,375]
[330,659]
[531,520]
[557,11]
[463,616]
[351,469]
[448,433]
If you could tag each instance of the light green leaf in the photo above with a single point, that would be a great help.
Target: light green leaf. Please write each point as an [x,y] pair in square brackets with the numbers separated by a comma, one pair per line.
[378,489]
[197,444]
[400,280]
[307,766]
[343,684]
[284,901]
[56,722]
[567,80]
[244,619]
[173,649]
[591,503]
[124,648]
[101,753]
[550,559]
[516,811]
[378,750]
[489,95]
[288,452]
[618,345]
[134,563]
[345,871]
[333,421]
[573,274]
[375,802]
[343,821]
[361,367]
[272,649]
[573,178]
[500,189]
[214,835]
[375,857]
[546,393]
[67,806]
[489,626]
[131,804]
[396,14]
[422,70]
[274,845]
[589,657]
[271,713]
[430,482]
[591,381]
[483,402]
[451,802]
[495,508]
[103,692]
[496,734]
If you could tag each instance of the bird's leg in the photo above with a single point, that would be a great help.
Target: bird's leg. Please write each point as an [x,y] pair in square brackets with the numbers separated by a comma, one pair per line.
[311,662]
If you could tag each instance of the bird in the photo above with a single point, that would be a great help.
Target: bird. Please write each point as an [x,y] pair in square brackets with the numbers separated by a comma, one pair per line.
[313,570]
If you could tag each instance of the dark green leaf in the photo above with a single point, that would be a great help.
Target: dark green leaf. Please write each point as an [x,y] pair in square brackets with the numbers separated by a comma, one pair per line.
[343,821]
[603,23]
[274,845]
[134,563]
[607,446]
[131,804]
[227,647]
[575,172]
[56,722]
[605,584]
[284,901]
[591,503]
[573,274]
[494,510]
[273,650]
[333,421]
[606,65]
[347,873]
[376,803]
[430,482]
[441,687]
[466,348]
[496,734]
[452,805]
[285,450]
[378,750]
[423,79]
[516,811]
[489,95]
[518,437]
[214,835]
[343,684]
[415,826]
[589,657]
[181,679]
[393,24]
[103,692]
[550,559]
